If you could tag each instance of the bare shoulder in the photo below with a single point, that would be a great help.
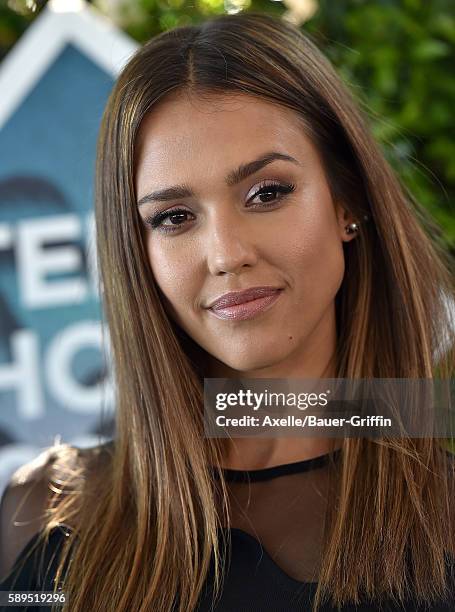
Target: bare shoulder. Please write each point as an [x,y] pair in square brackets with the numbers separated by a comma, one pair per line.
[34,488]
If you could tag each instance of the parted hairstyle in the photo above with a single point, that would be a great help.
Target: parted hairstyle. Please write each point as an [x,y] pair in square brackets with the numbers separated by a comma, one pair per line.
[145,521]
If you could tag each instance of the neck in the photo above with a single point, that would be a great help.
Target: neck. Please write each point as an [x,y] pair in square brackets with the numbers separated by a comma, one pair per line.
[314,360]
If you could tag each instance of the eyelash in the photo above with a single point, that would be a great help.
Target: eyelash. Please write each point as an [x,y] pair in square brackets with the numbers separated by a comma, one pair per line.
[266,187]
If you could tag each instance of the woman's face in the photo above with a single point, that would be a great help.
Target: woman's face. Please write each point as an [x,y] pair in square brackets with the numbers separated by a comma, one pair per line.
[273,223]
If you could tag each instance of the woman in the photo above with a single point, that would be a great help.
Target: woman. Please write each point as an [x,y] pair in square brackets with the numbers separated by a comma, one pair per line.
[231,157]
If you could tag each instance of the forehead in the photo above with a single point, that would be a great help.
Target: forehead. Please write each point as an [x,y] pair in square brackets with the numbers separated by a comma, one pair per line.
[214,130]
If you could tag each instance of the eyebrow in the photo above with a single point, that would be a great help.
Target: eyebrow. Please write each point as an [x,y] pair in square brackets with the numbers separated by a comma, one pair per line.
[233,178]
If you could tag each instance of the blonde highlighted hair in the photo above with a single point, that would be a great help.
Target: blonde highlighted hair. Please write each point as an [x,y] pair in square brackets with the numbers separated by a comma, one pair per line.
[145,519]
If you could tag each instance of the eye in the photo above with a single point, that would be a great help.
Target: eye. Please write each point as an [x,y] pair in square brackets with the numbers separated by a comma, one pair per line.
[176,216]
[268,190]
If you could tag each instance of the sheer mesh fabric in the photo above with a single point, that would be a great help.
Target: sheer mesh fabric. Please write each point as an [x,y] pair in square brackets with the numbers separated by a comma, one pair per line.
[284,509]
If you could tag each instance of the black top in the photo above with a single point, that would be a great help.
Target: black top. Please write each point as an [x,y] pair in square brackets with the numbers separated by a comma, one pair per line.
[276,537]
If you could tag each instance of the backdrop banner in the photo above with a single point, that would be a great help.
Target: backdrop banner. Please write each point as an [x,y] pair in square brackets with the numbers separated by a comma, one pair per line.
[55,374]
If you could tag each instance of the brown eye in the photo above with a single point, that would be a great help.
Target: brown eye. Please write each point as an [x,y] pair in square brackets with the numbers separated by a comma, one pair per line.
[177,217]
[268,192]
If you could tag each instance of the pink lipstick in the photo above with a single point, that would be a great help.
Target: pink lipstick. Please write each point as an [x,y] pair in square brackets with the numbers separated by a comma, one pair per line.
[246,304]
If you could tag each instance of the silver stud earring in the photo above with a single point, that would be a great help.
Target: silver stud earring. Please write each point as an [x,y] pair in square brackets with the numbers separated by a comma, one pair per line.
[351,228]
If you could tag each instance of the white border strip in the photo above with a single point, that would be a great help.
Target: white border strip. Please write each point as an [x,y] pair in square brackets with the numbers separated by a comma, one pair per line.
[45,38]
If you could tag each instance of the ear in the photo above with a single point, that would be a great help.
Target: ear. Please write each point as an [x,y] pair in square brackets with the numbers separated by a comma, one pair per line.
[344,218]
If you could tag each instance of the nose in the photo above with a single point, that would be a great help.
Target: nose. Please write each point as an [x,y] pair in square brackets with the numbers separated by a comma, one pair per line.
[230,246]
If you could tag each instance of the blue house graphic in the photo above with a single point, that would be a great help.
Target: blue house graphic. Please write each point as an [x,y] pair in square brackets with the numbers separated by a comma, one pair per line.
[55,377]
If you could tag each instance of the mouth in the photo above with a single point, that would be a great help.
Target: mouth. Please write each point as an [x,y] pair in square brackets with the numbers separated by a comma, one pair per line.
[246,309]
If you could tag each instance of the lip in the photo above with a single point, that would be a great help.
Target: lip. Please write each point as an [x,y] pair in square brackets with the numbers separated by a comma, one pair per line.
[240,297]
[245,309]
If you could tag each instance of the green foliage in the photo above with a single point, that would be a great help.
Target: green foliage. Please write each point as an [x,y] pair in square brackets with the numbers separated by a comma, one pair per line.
[12,25]
[397,56]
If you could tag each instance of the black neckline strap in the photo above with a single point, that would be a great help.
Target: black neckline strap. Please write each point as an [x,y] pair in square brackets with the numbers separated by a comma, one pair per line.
[285,469]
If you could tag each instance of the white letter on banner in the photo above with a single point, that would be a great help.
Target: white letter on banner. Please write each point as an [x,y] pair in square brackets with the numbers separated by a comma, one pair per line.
[6,236]
[23,374]
[34,262]
[62,383]
[92,263]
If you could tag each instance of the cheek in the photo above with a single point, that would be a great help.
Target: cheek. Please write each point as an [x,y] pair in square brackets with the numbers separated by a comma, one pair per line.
[323,271]
[175,275]
[167,270]
[315,255]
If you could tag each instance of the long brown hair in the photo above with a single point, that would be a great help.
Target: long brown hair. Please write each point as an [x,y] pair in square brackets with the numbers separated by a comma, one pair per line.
[146,520]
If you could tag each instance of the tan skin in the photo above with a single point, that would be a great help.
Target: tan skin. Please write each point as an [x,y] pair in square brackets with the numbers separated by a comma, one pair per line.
[230,238]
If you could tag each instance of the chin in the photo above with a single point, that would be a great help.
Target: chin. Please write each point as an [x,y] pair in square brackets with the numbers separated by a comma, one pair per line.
[251,363]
